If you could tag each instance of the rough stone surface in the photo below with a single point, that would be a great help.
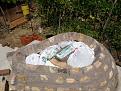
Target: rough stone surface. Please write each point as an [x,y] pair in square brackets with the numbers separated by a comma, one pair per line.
[101,75]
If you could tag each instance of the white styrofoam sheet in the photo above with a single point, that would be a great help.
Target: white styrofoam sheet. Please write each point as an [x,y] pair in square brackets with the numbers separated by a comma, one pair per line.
[4,64]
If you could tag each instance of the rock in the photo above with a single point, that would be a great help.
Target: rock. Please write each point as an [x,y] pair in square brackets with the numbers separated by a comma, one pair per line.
[35,89]
[84,79]
[60,80]
[70,80]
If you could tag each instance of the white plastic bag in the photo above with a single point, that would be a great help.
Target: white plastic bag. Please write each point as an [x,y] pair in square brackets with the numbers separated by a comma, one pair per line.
[34,59]
[44,57]
[83,55]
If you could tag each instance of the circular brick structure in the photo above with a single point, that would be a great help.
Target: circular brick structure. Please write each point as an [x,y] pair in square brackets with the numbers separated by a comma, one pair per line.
[101,75]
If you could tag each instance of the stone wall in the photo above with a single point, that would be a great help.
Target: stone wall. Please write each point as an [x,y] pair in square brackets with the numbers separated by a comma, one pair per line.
[100,76]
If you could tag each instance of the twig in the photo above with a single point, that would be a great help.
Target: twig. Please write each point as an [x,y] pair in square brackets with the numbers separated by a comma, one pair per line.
[109,15]
[3,17]
[106,23]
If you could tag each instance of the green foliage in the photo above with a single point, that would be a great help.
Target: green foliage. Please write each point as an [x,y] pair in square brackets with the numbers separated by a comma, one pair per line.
[114,35]
[85,16]
[12,1]
[9,1]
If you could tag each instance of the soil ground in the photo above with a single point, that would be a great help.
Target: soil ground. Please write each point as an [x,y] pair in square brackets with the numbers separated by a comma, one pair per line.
[12,38]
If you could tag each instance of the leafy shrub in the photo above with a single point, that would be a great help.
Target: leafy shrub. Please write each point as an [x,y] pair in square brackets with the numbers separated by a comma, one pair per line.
[85,16]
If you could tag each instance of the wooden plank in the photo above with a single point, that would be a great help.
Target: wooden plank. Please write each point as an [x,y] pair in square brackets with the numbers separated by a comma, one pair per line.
[17,22]
[5,72]
[11,14]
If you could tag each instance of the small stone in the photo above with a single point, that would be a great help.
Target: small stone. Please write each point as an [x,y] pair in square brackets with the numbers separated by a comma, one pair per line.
[75,70]
[43,77]
[102,55]
[88,68]
[60,89]
[107,89]
[92,46]
[21,78]
[21,86]
[97,64]
[12,88]
[110,74]
[105,67]
[27,88]
[52,69]
[35,89]
[83,79]
[80,89]
[60,80]
[81,37]
[113,65]
[70,80]
[51,39]
[92,89]
[49,89]
[103,83]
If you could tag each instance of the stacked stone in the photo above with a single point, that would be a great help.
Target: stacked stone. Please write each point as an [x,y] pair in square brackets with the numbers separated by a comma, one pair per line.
[101,75]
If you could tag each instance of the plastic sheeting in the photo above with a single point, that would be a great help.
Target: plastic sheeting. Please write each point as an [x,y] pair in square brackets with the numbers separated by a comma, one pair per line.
[81,57]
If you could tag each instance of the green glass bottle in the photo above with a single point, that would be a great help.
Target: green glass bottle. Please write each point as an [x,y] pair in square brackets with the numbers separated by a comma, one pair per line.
[65,52]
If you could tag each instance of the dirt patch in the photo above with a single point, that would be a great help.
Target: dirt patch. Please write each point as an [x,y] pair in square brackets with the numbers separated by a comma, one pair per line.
[12,38]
